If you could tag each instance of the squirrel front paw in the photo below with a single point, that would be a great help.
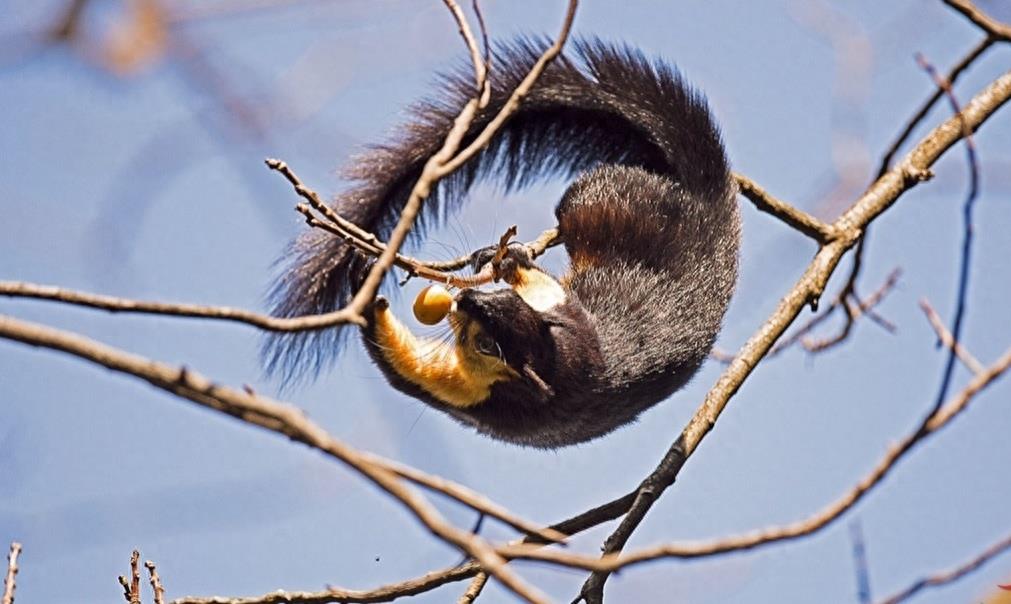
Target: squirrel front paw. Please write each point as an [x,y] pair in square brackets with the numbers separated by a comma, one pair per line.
[380,303]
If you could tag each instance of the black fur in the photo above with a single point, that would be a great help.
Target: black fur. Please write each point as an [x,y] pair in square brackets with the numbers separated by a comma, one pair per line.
[651,225]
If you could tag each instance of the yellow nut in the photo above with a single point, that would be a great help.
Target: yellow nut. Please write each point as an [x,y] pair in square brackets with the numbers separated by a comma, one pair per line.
[432,304]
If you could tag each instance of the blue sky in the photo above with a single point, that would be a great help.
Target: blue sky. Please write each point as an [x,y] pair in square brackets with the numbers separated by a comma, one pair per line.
[142,187]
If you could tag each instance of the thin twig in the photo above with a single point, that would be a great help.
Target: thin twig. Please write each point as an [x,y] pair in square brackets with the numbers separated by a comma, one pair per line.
[470,498]
[945,337]
[486,93]
[860,563]
[432,580]
[962,293]
[387,593]
[921,113]
[12,573]
[853,312]
[369,244]
[444,162]
[980,19]
[481,86]
[849,288]
[131,587]
[20,289]
[795,217]
[156,586]
[950,576]
[222,313]
[358,238]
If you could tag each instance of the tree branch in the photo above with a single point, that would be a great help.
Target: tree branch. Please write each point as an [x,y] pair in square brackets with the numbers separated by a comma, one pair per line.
[795,217]
[962,293]
[981,20]
[914,168]
[929,426]
[444,162]
[945,337]
[367,243]
[18,289]
[12,572]
[432,580]
[950,576]
[156,586]
[386,593]
[283,419]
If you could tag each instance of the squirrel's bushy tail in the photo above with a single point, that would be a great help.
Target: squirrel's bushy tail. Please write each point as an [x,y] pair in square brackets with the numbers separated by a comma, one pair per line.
[604,104]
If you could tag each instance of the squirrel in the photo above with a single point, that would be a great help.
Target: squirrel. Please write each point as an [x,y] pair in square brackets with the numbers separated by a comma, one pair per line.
[651,226]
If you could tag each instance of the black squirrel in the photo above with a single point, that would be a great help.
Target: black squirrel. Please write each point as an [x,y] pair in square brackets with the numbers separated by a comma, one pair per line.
[651,226]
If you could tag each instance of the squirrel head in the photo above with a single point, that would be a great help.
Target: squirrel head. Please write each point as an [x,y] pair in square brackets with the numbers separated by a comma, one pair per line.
[501,325]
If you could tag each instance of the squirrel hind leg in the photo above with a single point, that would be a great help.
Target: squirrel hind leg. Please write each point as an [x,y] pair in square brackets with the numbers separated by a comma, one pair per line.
[615,213]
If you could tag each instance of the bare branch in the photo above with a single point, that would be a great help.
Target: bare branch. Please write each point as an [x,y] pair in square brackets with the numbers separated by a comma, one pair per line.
[929,426]
[981,20]
[913,169]
[577,524]
[428,270]
[860,563]
[12,572]
[795,217]
[469,498]
[481,86]
[223,313]
[386,593]
[946,338]
[474,589]
[263,412]
[853,312]
[921,113]
[848,290]
[950,576]
[131,587]
[156,586]
[444,163]
[367,243]
[962,293]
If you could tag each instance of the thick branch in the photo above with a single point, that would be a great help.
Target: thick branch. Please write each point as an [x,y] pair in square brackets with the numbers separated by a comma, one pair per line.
[931,425]
[913,169]
[263,412]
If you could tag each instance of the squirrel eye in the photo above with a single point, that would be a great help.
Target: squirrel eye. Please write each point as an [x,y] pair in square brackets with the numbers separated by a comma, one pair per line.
[485,344]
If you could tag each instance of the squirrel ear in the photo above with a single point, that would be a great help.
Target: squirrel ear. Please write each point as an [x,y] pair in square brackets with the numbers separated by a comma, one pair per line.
[546,390]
